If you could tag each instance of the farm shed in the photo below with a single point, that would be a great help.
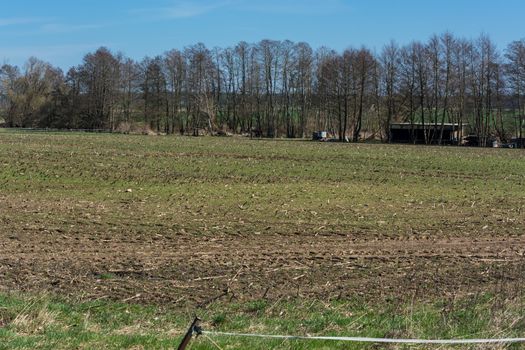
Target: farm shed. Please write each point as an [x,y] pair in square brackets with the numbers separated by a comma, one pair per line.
[415,132]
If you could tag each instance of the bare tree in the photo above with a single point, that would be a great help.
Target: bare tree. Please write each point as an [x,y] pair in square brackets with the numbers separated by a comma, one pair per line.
[515,70]
[129,85]
[154,88]
[304,81]
[99,78]
[275,88]
[390,64]
[364,67]
[408,84]
[447,43]
[10,91]
[175,67]
[27,96]
[200,78]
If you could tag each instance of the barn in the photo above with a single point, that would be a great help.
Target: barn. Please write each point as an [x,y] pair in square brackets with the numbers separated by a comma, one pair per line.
[415,132]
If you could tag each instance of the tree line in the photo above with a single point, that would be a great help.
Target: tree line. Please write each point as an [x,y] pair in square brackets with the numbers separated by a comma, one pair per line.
[279,89]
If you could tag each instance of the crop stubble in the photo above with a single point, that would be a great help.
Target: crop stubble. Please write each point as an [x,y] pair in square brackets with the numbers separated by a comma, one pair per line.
[149,246]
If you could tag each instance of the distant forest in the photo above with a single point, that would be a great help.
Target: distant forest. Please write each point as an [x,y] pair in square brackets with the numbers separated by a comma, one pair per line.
[278,89]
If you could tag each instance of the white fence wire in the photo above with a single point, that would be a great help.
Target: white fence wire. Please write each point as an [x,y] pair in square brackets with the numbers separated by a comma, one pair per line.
[372,340]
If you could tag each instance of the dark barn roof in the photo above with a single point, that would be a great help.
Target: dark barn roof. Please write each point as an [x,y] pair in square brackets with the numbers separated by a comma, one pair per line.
[409,126]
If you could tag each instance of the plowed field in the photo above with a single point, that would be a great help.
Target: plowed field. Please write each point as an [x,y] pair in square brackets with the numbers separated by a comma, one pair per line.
[194,220]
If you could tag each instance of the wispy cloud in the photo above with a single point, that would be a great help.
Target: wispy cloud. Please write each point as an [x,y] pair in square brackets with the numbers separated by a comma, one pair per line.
[4,22]
[50,28]
[46,51]
[179,9]
[295,7]
[188,9]
[27,27]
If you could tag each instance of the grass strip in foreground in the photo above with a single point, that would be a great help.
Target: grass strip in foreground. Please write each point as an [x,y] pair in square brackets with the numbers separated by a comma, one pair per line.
[47,322]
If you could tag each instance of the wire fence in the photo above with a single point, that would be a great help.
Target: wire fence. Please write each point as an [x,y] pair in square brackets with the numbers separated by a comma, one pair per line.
[372,340]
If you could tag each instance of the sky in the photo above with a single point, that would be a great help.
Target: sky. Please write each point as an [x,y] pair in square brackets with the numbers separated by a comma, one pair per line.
[63,31]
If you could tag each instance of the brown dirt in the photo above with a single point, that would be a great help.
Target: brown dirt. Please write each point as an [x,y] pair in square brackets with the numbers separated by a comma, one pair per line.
[187,268]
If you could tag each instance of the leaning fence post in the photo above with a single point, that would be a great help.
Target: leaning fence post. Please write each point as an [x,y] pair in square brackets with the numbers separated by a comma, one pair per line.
[194,328]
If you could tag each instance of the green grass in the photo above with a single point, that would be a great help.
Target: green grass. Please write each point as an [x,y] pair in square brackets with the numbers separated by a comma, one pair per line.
[47,322]
[286,185]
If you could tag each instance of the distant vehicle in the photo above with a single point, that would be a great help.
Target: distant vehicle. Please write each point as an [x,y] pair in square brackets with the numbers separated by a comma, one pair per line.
[509,145]
[515,142]
[519,142]
[474,141]
[320,136]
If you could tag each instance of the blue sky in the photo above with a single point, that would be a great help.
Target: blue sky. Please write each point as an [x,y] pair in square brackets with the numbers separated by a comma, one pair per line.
[62,31]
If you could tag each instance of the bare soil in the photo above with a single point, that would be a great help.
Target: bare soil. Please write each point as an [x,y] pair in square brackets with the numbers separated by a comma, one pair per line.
[187,221]
[187,268]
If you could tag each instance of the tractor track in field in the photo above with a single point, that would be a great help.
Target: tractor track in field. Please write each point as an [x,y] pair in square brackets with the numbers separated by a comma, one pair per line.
[197,269]
[189,221]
